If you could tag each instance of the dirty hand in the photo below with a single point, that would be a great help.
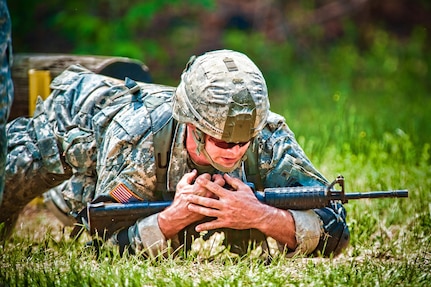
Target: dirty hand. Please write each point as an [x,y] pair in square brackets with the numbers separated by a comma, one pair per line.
[178,215]
[236,208]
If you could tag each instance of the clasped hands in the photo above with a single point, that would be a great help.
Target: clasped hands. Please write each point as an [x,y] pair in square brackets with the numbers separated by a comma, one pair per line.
[197,197]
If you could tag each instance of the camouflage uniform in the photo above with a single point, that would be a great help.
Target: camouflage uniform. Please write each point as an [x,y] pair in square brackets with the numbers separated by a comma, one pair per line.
[6,86]
[99,134]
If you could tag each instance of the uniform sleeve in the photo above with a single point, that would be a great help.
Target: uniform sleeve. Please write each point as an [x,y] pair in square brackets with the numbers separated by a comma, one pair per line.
[127,172]
[282,160]
[147,238]
[308,230]
[126,165]
[284,164]
[126,162]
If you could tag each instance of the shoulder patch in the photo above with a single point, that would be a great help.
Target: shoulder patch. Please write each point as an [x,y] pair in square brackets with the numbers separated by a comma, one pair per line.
[123,195]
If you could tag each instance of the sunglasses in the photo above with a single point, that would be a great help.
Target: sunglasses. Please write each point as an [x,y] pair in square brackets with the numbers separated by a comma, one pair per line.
[225,145]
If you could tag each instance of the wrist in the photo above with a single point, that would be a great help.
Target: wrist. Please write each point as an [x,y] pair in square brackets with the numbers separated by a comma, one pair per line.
[265,217]
[280,225]
[169,224]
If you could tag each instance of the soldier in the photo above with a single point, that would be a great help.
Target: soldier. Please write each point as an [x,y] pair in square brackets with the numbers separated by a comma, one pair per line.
[6,86]
[196,144]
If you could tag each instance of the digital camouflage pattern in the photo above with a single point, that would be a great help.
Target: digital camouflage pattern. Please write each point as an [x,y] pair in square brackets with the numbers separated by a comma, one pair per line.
[97,133]
[64,138]
[224,95]
[6,85]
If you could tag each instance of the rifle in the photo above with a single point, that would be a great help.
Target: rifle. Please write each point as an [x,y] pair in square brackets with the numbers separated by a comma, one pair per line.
[105,218]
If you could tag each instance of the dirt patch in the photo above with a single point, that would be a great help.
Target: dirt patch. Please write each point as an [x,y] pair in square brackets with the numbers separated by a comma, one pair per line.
[36,222]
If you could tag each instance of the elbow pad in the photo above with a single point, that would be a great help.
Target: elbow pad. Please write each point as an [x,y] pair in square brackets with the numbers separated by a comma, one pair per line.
[336,235]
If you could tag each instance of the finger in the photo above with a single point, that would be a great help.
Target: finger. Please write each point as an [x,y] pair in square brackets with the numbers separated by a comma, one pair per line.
[199,189]
[236,183]
[211,186]
[218,179]
[188,178]
[205,175]
[206,202]
[214,224]
[205,211]
[232,181]
[185,182]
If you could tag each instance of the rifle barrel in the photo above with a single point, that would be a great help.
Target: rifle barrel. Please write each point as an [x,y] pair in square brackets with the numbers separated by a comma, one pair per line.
[377,194]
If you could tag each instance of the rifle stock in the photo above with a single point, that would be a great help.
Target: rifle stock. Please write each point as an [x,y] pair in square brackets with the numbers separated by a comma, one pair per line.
[104,219]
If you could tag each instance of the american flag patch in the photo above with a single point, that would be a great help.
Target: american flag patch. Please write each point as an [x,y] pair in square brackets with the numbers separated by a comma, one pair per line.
[122,194]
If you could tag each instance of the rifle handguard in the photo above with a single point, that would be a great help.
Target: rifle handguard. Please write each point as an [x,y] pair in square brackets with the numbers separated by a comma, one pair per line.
[301,197]
[309,197]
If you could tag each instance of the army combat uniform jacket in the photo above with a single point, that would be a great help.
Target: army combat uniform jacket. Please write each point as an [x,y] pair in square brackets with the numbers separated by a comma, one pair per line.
[97,134]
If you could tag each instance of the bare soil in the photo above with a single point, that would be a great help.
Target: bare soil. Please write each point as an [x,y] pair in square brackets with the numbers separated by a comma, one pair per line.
[36,222]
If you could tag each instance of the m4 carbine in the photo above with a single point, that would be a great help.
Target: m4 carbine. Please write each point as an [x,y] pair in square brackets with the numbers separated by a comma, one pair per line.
[105,218]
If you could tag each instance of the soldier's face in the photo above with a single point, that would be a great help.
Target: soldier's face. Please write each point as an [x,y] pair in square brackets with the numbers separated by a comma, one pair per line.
[223,153]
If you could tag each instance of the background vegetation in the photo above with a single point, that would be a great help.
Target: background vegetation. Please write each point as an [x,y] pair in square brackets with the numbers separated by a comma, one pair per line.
[355,89]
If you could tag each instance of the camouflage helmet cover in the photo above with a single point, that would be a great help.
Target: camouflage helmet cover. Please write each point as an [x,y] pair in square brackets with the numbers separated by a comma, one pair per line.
[223,94]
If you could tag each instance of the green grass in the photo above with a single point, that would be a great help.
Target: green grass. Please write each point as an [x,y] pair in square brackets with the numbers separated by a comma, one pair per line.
[363,114]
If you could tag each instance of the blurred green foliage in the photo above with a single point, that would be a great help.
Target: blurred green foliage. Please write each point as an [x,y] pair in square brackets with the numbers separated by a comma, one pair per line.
[344,94]
[375,87]
[381,89]
[107,27]
[120,28]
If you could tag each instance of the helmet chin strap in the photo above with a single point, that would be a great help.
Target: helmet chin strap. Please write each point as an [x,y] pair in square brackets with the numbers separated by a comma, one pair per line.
[199,138]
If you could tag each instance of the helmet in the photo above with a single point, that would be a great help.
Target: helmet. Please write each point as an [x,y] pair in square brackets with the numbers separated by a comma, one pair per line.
[224,95]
